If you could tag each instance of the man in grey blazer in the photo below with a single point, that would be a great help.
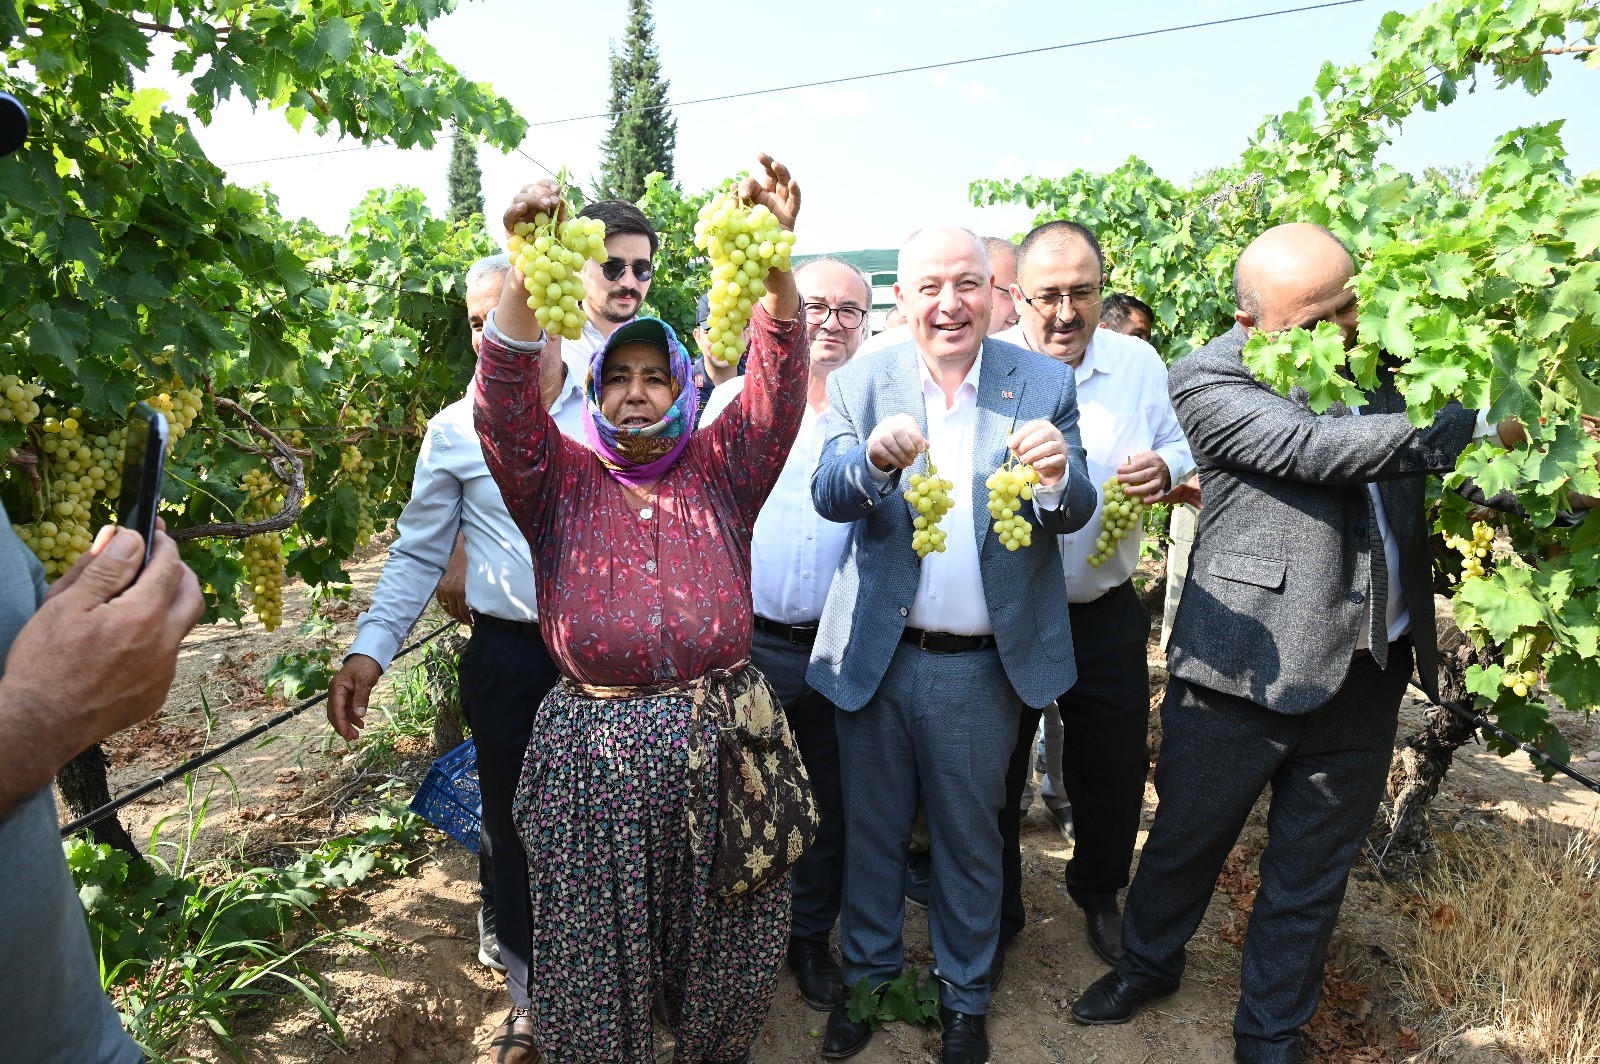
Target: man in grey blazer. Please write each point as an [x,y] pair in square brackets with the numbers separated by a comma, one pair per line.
[931,661]
[1309,594]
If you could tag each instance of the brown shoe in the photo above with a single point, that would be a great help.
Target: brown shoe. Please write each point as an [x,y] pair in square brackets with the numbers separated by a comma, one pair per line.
[516,1041]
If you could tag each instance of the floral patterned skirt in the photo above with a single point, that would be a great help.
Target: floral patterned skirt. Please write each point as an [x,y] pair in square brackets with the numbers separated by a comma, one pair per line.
[621,902]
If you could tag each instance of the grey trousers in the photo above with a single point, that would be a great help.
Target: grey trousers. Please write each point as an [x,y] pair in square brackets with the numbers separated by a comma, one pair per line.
[942,726]
[1327,770]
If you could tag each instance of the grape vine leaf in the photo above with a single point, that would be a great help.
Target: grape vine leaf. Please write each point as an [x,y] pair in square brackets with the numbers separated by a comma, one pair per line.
[1503,603]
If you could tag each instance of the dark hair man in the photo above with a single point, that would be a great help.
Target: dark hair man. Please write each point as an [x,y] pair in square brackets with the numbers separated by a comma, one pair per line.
[1309,597]
[1130,433]
[1128,315]
[89,655]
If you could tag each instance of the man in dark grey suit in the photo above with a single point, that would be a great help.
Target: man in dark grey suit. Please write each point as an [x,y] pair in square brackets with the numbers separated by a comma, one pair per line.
[1309,593]
[930,661]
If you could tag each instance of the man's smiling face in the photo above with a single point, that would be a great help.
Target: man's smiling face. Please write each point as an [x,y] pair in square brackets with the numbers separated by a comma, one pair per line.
[943,289]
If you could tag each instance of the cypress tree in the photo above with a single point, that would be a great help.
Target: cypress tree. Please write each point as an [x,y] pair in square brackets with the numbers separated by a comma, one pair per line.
[643,133]
[465,179]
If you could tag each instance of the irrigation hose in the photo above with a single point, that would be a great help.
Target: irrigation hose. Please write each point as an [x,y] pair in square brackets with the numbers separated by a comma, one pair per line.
[237,741]
[1477,720]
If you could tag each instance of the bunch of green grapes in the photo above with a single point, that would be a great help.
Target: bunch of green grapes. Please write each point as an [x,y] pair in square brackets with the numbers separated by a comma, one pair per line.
[1521,682]
[263,552]
[1473,551]
[1120,514]
[929,496]
[181,405]
[356,468]
[1009,486]
[743,243]
[75,468]
[19,399]
[550,257]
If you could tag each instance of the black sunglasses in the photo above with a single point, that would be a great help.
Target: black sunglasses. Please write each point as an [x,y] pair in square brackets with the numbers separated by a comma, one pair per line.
[613,269]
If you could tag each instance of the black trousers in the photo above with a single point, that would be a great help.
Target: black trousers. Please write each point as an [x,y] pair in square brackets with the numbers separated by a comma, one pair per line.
[817,880]
[1105,720]
[1327,771]
[504,677]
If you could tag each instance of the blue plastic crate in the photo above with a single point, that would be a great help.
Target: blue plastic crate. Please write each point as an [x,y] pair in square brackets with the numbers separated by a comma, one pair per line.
[449,798]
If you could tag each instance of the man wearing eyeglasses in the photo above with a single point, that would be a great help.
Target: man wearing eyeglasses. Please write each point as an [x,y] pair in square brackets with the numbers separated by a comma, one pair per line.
[793,555]
[1096,745]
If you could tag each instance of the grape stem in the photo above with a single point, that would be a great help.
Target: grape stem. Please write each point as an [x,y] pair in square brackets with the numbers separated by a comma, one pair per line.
[27,460]
[286,465]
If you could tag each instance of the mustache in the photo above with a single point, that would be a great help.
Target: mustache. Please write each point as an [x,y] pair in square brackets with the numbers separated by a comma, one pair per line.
[621,292]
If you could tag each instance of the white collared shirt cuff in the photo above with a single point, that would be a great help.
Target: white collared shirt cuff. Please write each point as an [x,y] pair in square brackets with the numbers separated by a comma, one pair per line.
[1048,497]
[879,476]
[1177,469]
[521,347]
[376,643]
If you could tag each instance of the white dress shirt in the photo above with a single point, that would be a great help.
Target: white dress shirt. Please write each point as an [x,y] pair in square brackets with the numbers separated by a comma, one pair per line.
[888,338]
[794,551]
[453,491]
[950,584]
[1123,409]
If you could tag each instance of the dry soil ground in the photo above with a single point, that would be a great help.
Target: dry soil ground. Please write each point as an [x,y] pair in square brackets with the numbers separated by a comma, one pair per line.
[429,999]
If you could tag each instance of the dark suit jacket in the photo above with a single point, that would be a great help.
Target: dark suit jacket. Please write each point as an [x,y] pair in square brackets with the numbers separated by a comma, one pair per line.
[1279,580]
[876,583]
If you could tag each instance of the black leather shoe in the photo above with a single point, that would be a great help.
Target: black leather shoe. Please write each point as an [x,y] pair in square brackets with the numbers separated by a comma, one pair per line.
[966,1038]
[844,1036]
[1111,1000]
[821,981]
[1105,935]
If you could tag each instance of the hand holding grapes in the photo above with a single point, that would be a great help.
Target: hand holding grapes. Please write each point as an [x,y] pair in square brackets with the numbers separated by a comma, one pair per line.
[541,197]
[895,443]
[1039,443]
[778,191]
[1145,475]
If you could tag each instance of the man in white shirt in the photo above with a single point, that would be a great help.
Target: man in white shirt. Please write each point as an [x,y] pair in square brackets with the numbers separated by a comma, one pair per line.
[931,660]
[505,669]
[793,555]
[1096,746]
[1003,313]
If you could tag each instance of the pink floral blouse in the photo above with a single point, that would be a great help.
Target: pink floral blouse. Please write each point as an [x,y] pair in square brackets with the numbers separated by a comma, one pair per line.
[643,593]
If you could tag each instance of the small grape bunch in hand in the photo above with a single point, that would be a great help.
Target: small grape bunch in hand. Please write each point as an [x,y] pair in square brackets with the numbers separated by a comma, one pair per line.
[549,255]
[1473,551]
[743,243]
[929,496]
[1009,487]
[1120,514]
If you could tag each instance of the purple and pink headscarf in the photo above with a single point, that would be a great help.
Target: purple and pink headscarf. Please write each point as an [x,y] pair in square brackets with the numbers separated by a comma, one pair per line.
[640,456]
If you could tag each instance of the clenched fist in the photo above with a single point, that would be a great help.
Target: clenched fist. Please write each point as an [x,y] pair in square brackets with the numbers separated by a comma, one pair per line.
[896,443]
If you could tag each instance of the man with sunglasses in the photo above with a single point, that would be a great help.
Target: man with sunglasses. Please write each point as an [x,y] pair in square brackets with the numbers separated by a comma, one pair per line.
[793,555]
[1096,733]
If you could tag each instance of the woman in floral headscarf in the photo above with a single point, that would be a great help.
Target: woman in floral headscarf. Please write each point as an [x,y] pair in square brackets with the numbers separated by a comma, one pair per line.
[642,551]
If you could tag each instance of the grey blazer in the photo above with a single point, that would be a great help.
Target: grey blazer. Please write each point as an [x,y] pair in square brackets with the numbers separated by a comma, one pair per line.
[1277,587]
[876,581]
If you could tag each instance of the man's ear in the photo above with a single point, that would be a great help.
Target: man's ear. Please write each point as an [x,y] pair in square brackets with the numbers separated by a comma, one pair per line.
[1245,321]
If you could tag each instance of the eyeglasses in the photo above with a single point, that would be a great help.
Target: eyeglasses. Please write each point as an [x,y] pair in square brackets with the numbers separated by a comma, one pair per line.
[613,269]
[849,317]
[1083,295]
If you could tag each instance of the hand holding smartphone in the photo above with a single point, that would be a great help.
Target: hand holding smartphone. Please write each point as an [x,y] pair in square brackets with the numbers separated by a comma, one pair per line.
[143,464]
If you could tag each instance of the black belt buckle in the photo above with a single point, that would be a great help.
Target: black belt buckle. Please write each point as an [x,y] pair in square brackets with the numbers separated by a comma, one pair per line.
[922,640]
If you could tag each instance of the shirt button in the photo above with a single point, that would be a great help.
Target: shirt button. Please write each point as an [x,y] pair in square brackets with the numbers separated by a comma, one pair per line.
[655,618]
[650,566]
[904,612]
[806,575]
[1358,597]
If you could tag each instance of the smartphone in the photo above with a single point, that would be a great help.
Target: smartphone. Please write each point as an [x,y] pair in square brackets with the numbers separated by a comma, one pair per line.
[143,462]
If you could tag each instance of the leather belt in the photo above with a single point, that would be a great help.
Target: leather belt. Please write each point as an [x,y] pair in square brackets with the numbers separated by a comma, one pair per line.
[800,634]
[944,642]
[523,628]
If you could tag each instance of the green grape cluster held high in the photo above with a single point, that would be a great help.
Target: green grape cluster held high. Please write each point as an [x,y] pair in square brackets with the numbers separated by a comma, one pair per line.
[550,256]
[1474,551]
[1009,487]
[929,496]
[1120,514]
[743,243]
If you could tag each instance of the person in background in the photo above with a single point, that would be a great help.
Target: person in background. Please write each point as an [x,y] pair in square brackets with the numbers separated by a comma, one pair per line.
[642,881]
[1128,315]
[932,661]
[793,555]
[708,373]
[505,668]
[1095,733]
